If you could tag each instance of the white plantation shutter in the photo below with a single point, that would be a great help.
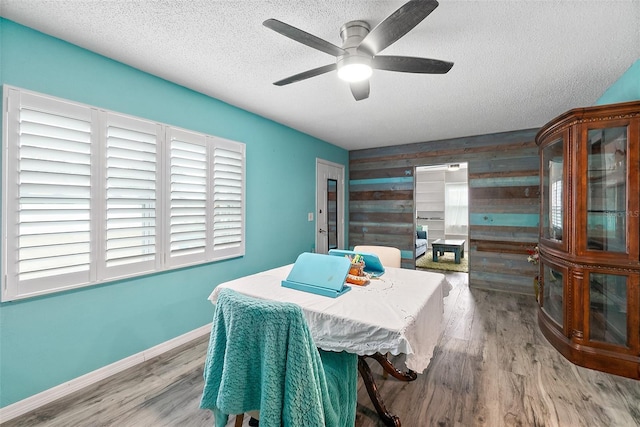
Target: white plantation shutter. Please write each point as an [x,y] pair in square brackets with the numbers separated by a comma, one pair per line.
[228,198]
[91,196]
[132,176]
[48,203]
[187,197]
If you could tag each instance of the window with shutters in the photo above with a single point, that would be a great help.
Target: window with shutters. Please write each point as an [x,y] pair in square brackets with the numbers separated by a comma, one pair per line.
[47,193]
[228,198]
[132,177]
[187,195]
[90,196]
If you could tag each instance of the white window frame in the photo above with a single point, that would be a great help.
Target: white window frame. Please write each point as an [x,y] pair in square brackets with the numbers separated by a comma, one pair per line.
[14,289]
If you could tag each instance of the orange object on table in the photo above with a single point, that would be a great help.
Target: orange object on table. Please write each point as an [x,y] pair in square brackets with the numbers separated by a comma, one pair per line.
[357,269]
[357,280]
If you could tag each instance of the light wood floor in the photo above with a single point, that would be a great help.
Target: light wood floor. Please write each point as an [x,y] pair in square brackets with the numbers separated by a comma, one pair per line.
[492,368]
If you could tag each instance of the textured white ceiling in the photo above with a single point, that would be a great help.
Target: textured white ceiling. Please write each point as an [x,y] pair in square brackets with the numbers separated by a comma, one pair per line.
[518,63]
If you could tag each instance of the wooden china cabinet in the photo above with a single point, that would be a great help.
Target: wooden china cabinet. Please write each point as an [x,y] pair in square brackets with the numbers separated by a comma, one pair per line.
[589,301]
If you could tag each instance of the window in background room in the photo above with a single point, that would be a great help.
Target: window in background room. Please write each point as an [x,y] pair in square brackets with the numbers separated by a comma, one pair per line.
[456,205]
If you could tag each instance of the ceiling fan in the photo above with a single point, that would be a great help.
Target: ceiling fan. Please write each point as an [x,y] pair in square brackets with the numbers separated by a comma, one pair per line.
[358,56]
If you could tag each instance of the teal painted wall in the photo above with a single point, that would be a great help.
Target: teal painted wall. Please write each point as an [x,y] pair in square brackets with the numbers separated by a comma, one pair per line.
[626,88]
[49,340]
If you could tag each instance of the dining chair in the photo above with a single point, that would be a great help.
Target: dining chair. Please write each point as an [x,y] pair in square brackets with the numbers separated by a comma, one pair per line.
[389,256]
[261,357]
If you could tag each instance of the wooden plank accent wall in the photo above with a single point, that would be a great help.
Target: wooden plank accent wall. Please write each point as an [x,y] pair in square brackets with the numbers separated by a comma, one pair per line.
[504,202]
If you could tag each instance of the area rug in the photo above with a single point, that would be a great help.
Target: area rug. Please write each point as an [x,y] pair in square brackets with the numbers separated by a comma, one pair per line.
[445,262]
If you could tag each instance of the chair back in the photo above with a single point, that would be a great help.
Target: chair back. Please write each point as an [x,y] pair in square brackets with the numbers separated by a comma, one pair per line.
[389,256]
[261,356]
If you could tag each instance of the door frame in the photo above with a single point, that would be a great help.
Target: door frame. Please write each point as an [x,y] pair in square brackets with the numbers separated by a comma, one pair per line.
[334,171]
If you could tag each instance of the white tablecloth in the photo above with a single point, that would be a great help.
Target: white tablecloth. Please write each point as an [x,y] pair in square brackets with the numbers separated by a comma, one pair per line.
[401,312]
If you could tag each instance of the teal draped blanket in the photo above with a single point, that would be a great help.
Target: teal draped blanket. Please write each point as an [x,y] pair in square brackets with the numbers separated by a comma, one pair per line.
[261,356]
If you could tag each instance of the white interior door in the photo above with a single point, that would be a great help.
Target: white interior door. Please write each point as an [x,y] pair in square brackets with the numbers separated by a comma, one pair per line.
[329,206]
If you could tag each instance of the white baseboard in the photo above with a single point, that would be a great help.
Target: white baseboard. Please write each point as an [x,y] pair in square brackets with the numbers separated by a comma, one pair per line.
[30,403]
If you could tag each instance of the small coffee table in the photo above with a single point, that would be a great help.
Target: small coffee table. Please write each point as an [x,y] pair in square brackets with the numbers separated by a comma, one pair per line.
[440,246]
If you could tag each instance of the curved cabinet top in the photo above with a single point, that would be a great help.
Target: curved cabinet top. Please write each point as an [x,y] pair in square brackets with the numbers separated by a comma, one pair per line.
[624,110]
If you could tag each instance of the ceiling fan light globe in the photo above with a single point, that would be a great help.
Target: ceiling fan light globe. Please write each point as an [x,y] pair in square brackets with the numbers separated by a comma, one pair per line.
[354,68]
[355,72]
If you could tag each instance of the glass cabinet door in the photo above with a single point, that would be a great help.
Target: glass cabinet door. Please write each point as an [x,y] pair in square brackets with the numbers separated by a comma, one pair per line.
[553,293]
[552,188]
[607,189]
[608,308]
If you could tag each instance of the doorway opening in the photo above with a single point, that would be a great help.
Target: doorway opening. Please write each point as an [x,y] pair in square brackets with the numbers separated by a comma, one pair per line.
[442,216]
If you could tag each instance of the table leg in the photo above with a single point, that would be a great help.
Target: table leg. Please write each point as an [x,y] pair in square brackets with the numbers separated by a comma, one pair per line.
[365,371]
[389,419]
[386,364]
[457,254]
[434,255]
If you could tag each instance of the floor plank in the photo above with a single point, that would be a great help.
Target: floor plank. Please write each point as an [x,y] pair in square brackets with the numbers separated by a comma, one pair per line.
[491,368]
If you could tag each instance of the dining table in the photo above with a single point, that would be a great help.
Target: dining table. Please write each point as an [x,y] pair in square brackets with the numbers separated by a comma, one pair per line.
[398,313]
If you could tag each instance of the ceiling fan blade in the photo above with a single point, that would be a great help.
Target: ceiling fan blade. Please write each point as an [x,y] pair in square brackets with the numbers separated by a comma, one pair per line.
[306,74]
[303,37]
[396,25]
[409,64]
[360,90]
